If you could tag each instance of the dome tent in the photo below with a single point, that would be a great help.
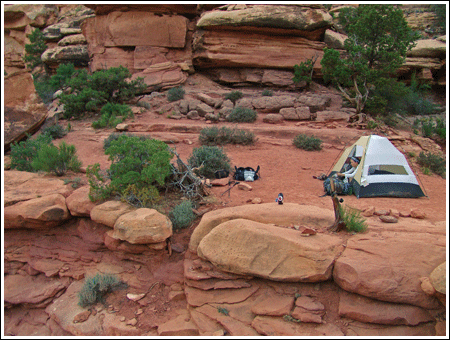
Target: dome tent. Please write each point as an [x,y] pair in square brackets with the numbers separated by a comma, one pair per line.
[383,169]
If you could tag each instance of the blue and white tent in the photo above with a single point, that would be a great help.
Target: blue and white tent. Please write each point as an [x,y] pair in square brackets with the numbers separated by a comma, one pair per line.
[383,169]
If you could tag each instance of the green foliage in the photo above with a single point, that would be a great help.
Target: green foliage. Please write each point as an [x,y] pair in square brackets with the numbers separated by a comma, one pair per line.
[433,162]
[371,125]
[137,161]
[242,115]
[140,197]
[431,127]
[114,136]
[289,318]
[95,288]
[378,40]
[43,87]
[234,96]
[55,131]
[111,115]
[175,93]
[55,159]
[23,153]
[267,93]
[34,50]
[215,136]
[209,159]
[353,220]
[223,311]
[90,92]
[182,215]
[307,143]
[64,73]
[439,11]
[76,182]
[391,96]
[304,71]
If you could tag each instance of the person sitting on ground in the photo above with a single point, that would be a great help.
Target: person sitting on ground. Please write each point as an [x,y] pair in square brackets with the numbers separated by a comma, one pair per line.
[349,174]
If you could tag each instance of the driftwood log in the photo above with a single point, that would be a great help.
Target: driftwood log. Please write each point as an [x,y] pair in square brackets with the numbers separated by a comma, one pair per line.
[339,223]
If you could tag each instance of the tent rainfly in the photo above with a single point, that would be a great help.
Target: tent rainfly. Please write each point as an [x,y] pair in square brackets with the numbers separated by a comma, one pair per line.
[383,170]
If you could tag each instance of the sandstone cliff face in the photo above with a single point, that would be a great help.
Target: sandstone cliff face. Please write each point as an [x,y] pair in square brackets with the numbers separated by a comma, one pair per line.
[236,45]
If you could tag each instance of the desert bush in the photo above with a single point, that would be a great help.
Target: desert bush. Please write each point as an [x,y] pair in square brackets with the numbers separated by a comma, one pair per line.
[431,127]
[76,182]
[137,161]
[111,115]
[242,115]
[433,162]
[89,92]
[95,288]
[23,153]
[353,220]
[43,87]
[209,159]
[182,215]
[175,93]
[55,131]
[114,136]
[267,93]
[234,96]
[58,160]
[304,142]
[140,197]
[224,135]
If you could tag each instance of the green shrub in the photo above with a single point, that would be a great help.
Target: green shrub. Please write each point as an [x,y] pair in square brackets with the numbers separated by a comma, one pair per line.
[433,162]
[43,87]
[175,93]
[137,161]
[353,220]
[224,135]
[223,311]
[242,115]
[304,142]
[182,215]
[267,93]
[371,125]
[55,131]
[111,115]
[89,92]
[114,136]
[209,159]
[64,73]
[76,182]
[23,153]
[55,159]
[234,96]
[34,50]
[95,288]
[431,127]
[304,71]
[140,197]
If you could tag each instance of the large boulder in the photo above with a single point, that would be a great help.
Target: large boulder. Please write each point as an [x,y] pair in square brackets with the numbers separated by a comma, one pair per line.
[75,54]
[107,213]
[246,247]
[388,266]
[79,203]
[44,212]
[22,186]
[143,226]
[273,104]
[286,214]
[18,16]
[309,21]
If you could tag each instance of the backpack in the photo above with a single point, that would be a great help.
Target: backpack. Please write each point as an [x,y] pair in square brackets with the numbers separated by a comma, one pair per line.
[340,187]
[246,174]
[221,173]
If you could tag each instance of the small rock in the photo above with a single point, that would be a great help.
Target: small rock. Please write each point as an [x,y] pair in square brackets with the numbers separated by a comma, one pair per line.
[135,297]
[426,286]
[139,311]
[256,200]
[404,214]
[177,248]
[82,317]
[137,266]
[416,213]
[122,127]
[382,212]
[395,213]
[122,319]
[368,212]
[132,322]
[245,186]
[388,219]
